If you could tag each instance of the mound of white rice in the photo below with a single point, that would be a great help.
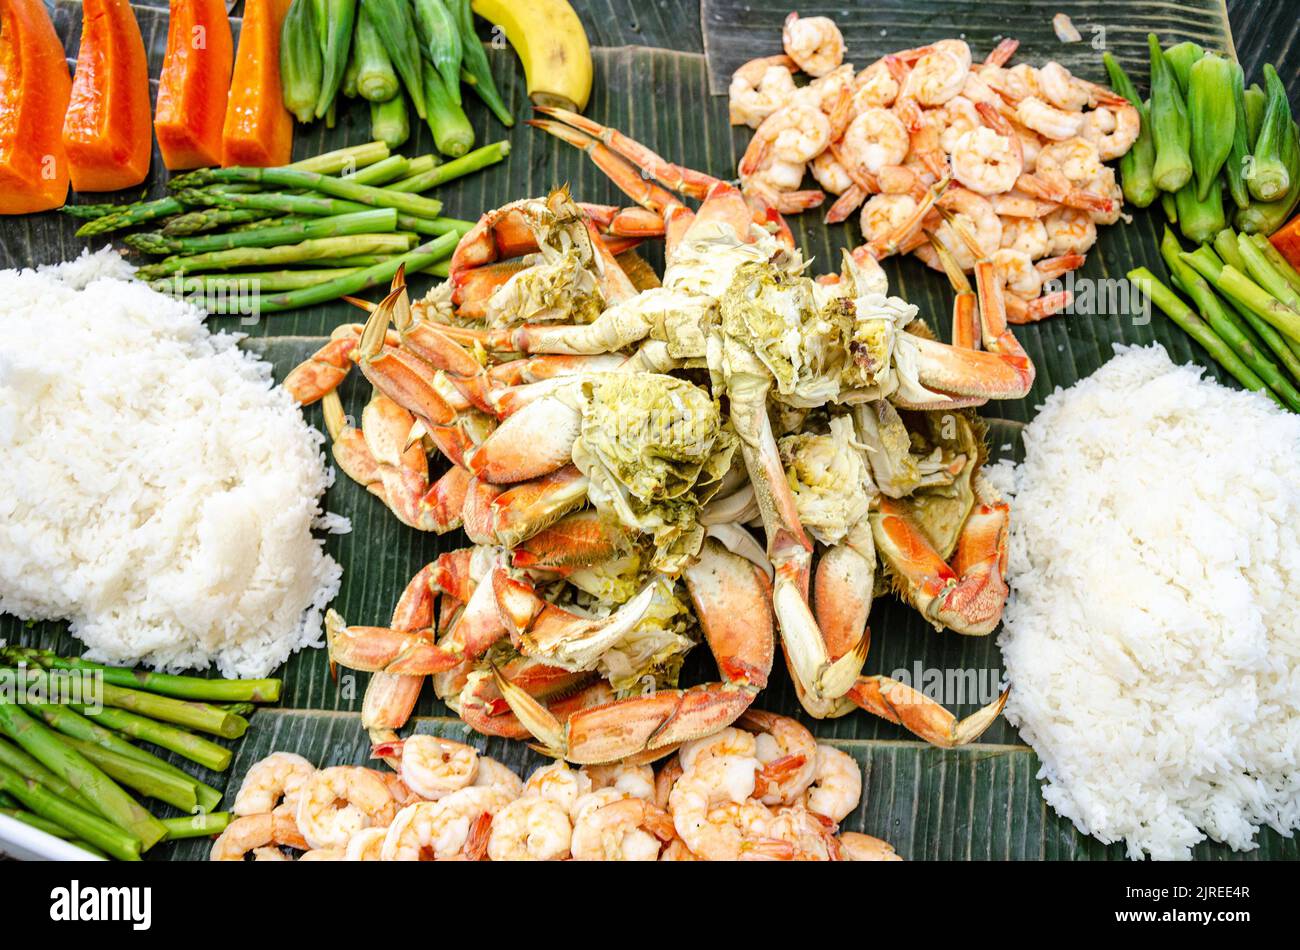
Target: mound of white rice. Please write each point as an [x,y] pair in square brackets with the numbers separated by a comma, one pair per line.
[1152,640]
[156,489]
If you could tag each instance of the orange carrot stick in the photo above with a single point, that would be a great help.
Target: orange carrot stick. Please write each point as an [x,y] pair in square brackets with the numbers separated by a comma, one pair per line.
[194,84]
[106,131]
[34,90]
[258,129]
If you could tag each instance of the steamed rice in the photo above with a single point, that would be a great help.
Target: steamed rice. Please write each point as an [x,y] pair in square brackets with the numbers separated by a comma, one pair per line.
[1151,641]
[156,490]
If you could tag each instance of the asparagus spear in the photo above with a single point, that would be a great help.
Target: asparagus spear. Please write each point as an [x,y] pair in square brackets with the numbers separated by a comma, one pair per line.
[1204,260]
[1274,257]
[180,687]
[1225,245]
[1234,284]
[85,825]
[12,757]
[196,826]
[76,726]
[1198,329]
[292,178]
[142,778]
[415,260]
[263,281]
[105,795]
[195,748]
[373,221]
[471,162]
[197,222]
[316,250]
[37,822]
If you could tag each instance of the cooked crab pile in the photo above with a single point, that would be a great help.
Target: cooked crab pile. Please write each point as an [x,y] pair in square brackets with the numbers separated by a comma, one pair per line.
[766,790]
[1020,149]
[729,453]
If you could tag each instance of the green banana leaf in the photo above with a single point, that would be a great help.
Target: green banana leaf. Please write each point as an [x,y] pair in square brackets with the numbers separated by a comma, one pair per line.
[980,802]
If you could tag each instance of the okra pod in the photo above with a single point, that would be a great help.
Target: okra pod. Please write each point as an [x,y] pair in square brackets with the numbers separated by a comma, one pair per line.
[1170,128]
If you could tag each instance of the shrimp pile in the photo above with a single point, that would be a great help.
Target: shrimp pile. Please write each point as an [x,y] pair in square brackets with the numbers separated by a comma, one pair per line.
[1017,151]
[765,789]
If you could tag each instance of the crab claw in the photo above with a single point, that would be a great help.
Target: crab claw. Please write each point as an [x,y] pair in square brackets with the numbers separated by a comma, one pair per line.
[534,441]
[920,715]
[372,649]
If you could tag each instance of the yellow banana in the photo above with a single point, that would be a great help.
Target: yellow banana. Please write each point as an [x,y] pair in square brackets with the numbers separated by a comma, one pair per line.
[551,43]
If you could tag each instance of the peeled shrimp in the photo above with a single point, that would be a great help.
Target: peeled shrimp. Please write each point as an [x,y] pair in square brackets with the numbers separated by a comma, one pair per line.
[259,833]
[629,830]
[597,799]
[874,139]
[938,75]
[788,753]
[830,174]
[1106,186]
[874,86]
[728,741]
[1071,231]
[558,783]
[366,845]
[635,781]
[1018,273]
[837,784]
[860,847]
[1076,159]
[1047,120]
[492,774]
[1060,89]
[336,803]
[454,826]
[1112,129]
[530,829]
[814,43]
[759,88]
[955,118]
[433,767]
[793,133]
[810,837]
[273,780]
[985,162]
[324,854]
[714,816]
[1028,235]
[883,215]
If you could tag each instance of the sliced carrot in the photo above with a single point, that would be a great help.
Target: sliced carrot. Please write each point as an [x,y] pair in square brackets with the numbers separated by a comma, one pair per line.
[194,84]
[106,132]
[259,129]
[34,87]
[1287,241]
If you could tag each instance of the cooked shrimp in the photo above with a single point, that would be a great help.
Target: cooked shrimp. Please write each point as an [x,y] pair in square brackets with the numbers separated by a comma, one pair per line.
[492,774]
[788,753]
[598,799]
[985,162]
[1017,204]
[1071,231]
[530,829]
[275,779]
[759,88]
[1028,235]
[1018,273]
[336,803]
[874,86]
[1047,120]
[1112,129]
[257,834]
[558,783]
[1106,186]
[433,767]
[1076,159]
[830,93]
[938,74]
[629,830]
[830,174]
[924,132]
[1060,88]
[366,845]
[714,816]
[814,43]
[677,851]
[955,118]
[837,784]
[811,838]
[883,215]
[876,138]
[793,133]
[455,826]
[728,741]
[636,781]
[1022,82]
[860,847]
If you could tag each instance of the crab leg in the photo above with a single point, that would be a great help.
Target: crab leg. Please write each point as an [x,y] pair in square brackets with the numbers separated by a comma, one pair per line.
[967,596]
[391,697]
[375,649]
[920,715]
[681,180]
[732,601]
